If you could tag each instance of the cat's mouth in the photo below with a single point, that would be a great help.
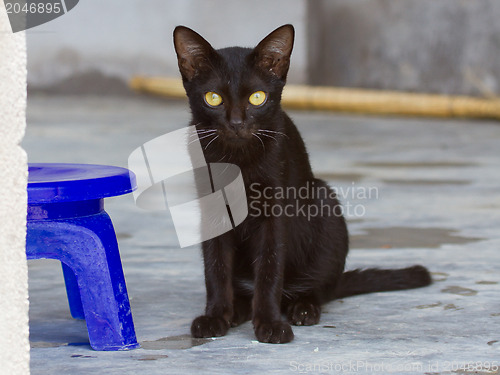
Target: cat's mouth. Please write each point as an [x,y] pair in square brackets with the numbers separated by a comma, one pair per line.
[239,136]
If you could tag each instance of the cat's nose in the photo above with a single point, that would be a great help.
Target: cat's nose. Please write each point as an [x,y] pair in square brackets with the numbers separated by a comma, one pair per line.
[236,123]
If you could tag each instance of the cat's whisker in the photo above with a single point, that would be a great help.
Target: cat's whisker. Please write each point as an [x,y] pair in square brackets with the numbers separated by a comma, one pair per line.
[274,132]
[206,131]
[193,141]
[195,129]
[198,133]
[269,136]
[260,140]
[197,139]
[200,138]
[194,135]
[211,141]
[225,169]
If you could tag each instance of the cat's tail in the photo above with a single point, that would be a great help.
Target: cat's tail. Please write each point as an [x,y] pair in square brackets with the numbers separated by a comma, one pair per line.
[379,280]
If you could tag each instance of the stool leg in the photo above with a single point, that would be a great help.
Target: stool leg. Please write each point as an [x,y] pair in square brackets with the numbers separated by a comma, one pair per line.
[88,247]
[73,292]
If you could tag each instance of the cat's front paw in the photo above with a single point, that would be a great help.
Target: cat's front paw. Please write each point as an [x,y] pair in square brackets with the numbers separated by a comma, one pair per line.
[303,313]
[208,326]
[274,332]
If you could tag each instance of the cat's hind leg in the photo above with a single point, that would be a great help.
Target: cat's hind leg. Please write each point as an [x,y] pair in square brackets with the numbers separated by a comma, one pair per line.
[303,311]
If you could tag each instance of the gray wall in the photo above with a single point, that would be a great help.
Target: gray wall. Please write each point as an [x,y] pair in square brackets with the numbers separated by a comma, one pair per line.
[116,38]
[442,46]
[14,305]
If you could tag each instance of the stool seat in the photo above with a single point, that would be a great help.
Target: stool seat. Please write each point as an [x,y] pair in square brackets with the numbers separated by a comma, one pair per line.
[52,183]
[66,221]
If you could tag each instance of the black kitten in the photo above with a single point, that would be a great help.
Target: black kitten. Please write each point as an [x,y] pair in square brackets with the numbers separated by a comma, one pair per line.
[278,260]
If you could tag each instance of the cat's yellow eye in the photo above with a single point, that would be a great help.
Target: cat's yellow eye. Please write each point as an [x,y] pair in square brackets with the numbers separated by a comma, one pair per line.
[213,99]
[257,98]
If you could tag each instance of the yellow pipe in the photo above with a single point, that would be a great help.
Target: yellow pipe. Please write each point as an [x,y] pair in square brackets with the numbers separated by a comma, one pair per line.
[352,100]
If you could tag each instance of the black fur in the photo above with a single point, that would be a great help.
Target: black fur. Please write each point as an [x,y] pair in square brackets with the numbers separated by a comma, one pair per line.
[271,263]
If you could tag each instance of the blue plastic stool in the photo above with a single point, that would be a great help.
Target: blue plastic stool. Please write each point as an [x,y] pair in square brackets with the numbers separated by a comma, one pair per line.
[67,222]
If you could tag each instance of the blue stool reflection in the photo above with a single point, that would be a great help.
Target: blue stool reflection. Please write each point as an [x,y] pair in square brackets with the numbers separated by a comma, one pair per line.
[67,222]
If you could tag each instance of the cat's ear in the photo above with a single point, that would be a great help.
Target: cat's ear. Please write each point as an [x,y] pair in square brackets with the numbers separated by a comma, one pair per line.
[193,52]
[272,54]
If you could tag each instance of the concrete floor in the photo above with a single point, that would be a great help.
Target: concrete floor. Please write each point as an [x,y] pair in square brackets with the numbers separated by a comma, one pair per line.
[435,200]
